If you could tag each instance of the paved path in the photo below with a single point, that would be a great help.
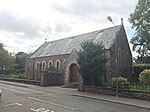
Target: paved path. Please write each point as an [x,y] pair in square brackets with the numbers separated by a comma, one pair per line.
[78,100]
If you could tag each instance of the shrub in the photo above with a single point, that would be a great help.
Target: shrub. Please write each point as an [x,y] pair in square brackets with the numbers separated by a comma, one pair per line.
[11,71]
[34,82]
[15,76]
[144,76]
[137,68]
[122,82]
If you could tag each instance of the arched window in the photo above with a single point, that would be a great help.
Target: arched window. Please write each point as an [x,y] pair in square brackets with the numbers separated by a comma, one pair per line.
[43,65]
[57,64]
[37,65]
[50,64]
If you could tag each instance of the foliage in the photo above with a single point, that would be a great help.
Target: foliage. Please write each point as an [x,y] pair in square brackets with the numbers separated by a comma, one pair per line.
[20,60]
[10,64]
[1,45]
[137,68]
[122,82]
[92,63]
[6,59]
[144,76]
[34,82]
[142,60]
[140,20]
[11,71]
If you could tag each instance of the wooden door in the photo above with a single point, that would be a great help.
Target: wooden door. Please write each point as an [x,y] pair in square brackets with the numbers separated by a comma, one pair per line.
[73,73]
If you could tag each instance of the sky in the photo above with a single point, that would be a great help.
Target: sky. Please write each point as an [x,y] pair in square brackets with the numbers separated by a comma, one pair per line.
[24,24]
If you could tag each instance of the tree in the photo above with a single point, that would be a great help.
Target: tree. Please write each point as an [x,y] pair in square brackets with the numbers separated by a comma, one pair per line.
[20,60]
[1,45]
[6,59]
[141,60]
[140,20]
[92,63]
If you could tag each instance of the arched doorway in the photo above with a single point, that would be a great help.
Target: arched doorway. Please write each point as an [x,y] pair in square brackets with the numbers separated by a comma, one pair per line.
[73,73]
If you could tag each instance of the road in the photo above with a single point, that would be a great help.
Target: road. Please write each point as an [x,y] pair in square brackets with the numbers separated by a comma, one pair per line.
[20,99]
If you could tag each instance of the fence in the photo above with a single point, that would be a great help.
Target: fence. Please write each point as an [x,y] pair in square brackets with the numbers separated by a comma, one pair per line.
[131,86]
[142,93]
[140,87]
[144,87]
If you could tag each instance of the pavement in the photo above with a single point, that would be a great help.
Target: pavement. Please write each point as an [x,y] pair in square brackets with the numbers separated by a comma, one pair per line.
[144,104]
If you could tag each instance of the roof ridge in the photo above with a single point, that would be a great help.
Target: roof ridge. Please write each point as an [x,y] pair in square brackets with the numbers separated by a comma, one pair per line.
[57,45]
[85,33]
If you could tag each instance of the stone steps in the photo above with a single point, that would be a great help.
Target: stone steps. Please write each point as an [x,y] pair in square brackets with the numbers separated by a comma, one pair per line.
[70,85]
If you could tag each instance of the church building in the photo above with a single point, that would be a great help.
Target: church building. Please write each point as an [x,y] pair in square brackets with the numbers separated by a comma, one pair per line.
[62,54]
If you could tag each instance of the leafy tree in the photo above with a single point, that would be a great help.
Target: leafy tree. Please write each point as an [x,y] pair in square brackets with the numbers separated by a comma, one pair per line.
[145,60]
[1,45]
[140,20]
[20,60]
[92,63]
[6,59]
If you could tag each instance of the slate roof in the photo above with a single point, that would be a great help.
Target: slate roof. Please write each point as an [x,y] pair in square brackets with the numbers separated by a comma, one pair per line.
[65,46]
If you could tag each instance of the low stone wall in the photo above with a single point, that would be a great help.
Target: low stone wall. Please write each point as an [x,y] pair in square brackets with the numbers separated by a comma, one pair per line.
[51,79]
[112,91]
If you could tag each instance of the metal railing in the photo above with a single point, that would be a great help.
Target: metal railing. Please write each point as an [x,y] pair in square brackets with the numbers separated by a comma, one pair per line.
[140,87]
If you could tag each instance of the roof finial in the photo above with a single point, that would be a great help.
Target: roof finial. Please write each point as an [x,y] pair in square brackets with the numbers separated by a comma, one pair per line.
[45,39]
[121,21]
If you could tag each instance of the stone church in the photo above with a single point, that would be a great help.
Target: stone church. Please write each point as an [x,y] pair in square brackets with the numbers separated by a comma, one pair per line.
[62,54]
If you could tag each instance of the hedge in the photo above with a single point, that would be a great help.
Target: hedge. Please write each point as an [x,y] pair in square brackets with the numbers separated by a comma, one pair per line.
[11,71]
[34,82]
[138,68]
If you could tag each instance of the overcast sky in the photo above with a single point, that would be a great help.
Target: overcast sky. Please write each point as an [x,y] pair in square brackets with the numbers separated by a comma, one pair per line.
[24,24]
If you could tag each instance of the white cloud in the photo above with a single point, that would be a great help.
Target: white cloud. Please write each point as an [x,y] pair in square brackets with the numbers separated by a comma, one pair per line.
[27,22]
[95,9]
[21,26]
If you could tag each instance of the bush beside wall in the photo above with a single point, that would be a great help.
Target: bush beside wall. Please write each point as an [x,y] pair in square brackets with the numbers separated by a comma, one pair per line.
[144,76]
[11,71]
[137,68]
[122,82]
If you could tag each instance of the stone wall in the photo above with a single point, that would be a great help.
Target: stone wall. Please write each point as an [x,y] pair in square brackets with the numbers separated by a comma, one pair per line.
[31,70]
[72,59]
[120,50]
[51,79]
[112,91]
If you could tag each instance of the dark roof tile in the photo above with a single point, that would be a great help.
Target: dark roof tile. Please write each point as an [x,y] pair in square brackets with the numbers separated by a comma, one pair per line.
[65,46]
